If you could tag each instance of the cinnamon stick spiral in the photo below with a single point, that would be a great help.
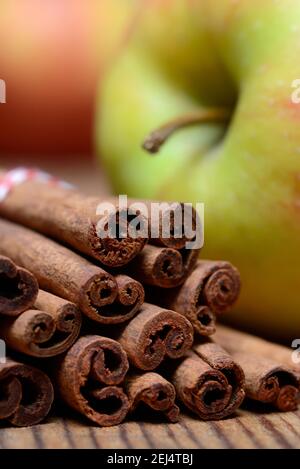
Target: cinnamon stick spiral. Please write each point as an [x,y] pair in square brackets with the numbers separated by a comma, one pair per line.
[18,288]
[88,377]
[44,332]
[269,382]
[154,334]
[26,394]
[209,382]
[211,288]
[130,297]
[270,377]
[171,219]
[220,283]
[154,391]
[162,267]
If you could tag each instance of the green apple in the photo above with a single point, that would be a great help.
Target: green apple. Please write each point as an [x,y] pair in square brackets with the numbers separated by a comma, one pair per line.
[186,57]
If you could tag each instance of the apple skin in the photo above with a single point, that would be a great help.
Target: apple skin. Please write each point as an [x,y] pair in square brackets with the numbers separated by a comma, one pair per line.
[183,55]
[52,54]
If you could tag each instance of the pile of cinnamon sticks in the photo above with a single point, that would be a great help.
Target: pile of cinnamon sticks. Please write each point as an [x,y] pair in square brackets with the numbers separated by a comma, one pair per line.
[114,326]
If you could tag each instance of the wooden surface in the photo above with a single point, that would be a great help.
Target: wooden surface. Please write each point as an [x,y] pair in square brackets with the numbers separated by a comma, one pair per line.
[246,429]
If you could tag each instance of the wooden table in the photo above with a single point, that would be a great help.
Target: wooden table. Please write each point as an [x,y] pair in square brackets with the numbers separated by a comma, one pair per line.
[245,430]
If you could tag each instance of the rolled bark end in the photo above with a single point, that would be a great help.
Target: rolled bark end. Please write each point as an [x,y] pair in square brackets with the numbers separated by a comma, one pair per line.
[288,398]
[115,242]
[129,290]
[188,300]
[172,226]
[162,267]
[110,300]
[266,381]
[158,266]
[212,395]
[167,269]
[209,382]
[33,393]
[155,334]
[112,405]
[69,319]
[18,288]
[110,364]
[268,389]
[131,296]
[222,288]
[204,321]
[129,299]
[154,391]
[39,334]
[87,377]
[207,392]
[100,291]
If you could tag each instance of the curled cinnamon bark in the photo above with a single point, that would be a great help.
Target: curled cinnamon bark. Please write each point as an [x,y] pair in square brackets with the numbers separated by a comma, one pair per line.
[171,224]
[154,334]
[69,216]
[130,298]
[220,284]
[154,391]
[267,380]
[209,382]
[163,267]
[212,288]
[43,332]
[18,288]
[70,276]
[26,394]
[61,272]
[88,376]
[201,317]
[253,344]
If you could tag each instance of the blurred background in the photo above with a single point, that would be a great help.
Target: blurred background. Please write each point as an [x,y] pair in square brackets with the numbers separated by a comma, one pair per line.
[52,57]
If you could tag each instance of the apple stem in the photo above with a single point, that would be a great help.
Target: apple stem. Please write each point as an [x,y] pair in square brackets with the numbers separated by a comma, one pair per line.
[158,137]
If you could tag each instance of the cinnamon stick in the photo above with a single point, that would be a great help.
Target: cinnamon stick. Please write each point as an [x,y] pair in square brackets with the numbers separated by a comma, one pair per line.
[209,382]
[154,391]
[163,267]
[68,275]
[43,332]
[169,228]
[253,344]
[267,380]
[18,288]
[26,394]
[88,376]
[212,288]
[68,216]
[130,297]
[154,334]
